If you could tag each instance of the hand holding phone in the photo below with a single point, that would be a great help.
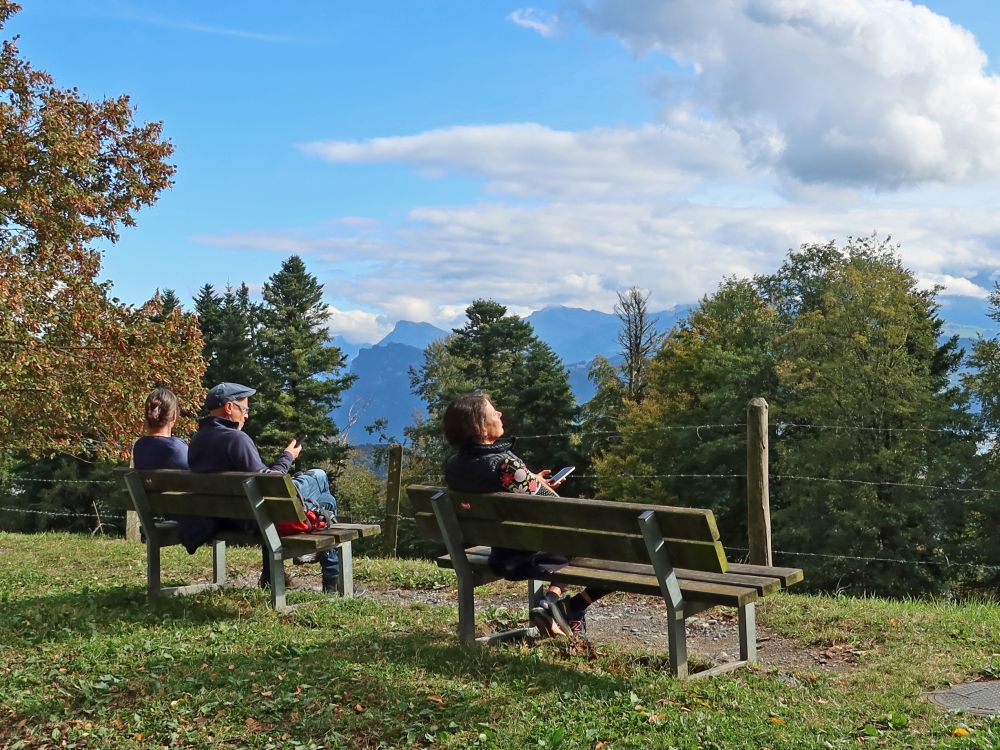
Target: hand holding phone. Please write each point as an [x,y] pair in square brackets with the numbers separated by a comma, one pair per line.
[560,475]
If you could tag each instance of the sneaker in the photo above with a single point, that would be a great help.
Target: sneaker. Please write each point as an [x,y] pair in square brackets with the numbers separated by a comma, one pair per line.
[306,559]
[544,617]
[572,621]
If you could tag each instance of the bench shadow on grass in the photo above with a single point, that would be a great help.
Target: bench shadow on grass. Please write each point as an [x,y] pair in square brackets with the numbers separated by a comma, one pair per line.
[380,686]
[53,617]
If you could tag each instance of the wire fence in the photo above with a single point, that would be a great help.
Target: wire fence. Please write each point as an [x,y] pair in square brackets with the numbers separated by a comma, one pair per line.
[776,427]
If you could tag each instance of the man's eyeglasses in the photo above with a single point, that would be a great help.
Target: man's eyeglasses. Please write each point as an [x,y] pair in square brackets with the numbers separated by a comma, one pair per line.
[245,410]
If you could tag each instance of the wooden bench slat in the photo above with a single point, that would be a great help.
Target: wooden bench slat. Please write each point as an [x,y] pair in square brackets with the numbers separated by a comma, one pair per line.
[763,586]
[222,506]
[219,483]
[786,576]
[687,523]
[636,582]
[585,543]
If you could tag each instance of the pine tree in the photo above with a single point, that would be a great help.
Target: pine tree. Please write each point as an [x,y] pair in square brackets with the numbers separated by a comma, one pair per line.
[500,354]
[300,380]
[207,307]
[229,324]
[170,301]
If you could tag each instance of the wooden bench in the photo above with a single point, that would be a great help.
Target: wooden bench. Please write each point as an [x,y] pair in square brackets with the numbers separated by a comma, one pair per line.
[263,499]
[658,550]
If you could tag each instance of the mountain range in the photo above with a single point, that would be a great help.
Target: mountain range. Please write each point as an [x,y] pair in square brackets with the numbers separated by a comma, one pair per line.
[382,388]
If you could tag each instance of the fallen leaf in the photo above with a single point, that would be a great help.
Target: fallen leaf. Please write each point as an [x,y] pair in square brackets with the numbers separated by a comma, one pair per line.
[436,699]
[358,708]
[778,720]
[960,732]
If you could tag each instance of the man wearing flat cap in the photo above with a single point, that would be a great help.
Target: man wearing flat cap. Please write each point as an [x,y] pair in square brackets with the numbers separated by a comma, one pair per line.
[221,445]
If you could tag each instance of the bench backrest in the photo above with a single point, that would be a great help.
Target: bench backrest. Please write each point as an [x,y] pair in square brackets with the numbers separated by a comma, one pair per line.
[219,495]
[575,527]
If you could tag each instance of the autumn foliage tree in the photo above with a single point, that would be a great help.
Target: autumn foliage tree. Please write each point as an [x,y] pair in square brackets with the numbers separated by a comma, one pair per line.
[75,363]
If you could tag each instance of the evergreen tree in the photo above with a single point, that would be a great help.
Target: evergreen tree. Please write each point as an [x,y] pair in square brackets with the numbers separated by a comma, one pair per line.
[500,354]
[300,380]
[239,323]
[170,301]
[229,324]
[207,307]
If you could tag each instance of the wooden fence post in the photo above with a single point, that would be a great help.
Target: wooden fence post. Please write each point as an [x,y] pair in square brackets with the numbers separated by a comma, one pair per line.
[132,526]
[758,498]
[390,534]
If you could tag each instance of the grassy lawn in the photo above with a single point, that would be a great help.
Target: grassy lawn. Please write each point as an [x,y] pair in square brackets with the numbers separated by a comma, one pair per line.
[86,661]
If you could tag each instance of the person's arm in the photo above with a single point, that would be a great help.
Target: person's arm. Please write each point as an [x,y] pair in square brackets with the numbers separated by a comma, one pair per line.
[518,478]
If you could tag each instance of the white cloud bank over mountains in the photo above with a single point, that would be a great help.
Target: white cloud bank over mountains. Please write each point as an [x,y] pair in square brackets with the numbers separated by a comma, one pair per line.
[790,121]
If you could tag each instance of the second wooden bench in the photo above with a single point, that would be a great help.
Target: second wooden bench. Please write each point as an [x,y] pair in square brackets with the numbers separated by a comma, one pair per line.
[670,552]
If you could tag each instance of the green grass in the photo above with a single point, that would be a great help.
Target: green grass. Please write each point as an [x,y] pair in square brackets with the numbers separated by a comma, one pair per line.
[86,661]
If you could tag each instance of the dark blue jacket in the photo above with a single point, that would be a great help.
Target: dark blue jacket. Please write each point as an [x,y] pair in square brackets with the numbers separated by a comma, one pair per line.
[219,445]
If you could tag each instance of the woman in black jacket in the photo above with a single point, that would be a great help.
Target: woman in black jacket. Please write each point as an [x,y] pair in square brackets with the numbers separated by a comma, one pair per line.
[486,463]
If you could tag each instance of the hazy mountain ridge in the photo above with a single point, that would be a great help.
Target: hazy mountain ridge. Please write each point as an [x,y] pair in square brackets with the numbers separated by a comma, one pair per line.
[383,385]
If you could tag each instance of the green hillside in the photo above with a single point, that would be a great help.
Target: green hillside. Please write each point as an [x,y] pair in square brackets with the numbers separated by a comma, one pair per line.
[87,662]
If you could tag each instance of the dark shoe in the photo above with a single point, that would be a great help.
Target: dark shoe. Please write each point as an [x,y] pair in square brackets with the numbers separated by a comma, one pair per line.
[543,617]
[574,622]
[306,559]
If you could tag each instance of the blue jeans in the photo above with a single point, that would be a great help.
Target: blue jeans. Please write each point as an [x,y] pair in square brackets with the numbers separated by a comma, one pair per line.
[314,487]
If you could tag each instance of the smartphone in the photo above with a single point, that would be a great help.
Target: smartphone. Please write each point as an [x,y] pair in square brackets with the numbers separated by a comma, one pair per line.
[561,474]
[299,439]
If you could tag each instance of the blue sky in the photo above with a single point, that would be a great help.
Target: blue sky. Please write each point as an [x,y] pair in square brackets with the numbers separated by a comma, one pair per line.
[419,154]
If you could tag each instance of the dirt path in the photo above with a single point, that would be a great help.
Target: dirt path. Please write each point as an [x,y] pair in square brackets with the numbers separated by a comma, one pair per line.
[639,620]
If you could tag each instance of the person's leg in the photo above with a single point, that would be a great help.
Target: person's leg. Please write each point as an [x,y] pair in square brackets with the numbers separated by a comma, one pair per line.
[314,486]
[329,563]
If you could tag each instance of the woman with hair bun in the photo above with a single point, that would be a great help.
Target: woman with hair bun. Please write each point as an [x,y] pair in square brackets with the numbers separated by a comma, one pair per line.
[158,448]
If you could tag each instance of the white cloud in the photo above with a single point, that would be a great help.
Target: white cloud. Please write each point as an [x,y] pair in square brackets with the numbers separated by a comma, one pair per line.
[531,18]
[532,160]
[855,92]
[581,253]
[358,326]
[953,286]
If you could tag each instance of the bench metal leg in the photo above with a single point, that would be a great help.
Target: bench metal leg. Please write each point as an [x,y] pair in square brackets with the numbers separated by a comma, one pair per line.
[536,590]
[466,609]
[218,562]
[677,640]
[747,615]
[272,544]
[278,583]
[152,567]
[671,591]
[453,541]
[345,583]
